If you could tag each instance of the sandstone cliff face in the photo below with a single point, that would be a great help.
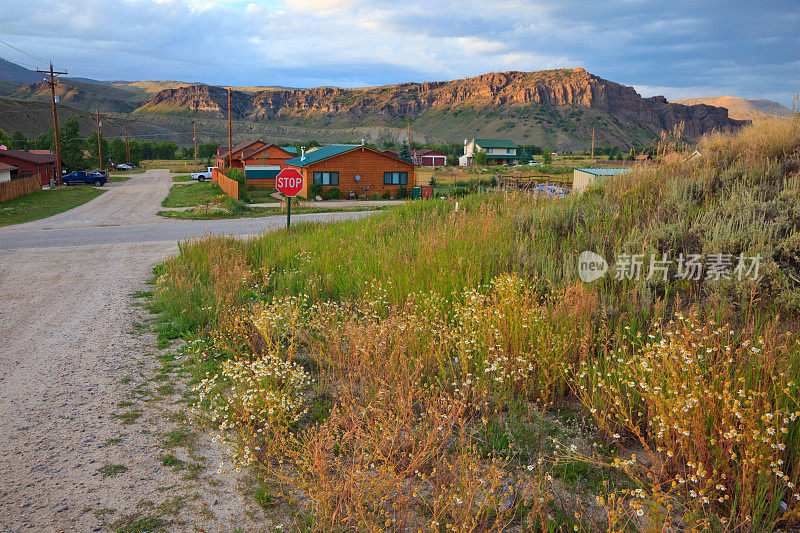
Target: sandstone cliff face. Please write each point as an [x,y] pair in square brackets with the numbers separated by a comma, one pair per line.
[495,91]
[201,99]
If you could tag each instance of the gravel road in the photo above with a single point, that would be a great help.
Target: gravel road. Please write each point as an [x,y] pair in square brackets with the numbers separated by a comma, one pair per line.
[72,350]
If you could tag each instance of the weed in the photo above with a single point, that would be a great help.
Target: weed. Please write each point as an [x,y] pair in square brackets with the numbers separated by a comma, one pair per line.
[179,437]
[135,523]
[112,470]
[128,417]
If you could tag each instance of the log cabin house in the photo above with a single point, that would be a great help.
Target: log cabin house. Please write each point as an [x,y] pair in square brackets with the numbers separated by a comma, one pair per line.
[357,171]
[260,161]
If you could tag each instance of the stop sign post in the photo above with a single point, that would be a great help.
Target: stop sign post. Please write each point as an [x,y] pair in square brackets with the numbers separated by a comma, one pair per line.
[289,181]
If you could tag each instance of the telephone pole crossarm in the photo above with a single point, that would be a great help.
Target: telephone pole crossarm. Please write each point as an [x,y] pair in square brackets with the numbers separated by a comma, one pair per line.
[52,83]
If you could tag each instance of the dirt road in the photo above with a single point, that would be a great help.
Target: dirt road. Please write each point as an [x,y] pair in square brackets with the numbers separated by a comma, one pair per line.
[83,411]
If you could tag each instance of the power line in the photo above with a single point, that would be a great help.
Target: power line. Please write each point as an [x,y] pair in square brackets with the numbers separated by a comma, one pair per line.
[33,56]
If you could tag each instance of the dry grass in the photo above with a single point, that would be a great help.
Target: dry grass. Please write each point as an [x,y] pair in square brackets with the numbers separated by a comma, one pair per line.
[433,370]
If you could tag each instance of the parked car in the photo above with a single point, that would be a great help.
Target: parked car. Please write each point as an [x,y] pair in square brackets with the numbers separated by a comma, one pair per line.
[125,166]
[97,178]
[204,175]
[534,163]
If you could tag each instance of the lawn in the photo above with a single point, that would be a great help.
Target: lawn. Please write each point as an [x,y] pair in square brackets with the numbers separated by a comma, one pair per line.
[181,177]
[425,367]
[118,179]
[173,165]
[192,195]
[42,204]
[261,196]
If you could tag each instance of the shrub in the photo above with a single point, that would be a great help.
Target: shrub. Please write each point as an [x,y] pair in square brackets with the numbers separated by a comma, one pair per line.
[237,175]
[402,192]
[333,194]
[316,190]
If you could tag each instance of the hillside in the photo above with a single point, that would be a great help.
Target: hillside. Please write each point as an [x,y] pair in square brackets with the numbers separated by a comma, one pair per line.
[741,108]
[34,118]
[83,95]
[12,72]
[556,107]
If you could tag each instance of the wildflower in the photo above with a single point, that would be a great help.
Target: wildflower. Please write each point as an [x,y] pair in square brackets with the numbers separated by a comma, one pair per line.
[639,512]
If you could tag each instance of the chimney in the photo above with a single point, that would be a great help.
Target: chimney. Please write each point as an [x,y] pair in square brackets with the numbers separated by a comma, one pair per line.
[362,141]
[302,153]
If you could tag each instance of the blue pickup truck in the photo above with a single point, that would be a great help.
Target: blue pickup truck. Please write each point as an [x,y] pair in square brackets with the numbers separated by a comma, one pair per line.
[97,178]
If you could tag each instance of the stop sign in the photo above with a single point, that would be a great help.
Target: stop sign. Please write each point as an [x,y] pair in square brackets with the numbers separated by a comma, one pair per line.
[289,181]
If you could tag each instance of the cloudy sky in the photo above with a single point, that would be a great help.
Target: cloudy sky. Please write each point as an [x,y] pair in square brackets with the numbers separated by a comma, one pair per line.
[677,48]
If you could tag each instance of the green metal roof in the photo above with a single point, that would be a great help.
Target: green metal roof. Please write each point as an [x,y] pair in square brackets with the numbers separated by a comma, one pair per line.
[495,143]
[502,156]
[290,149]
[321,153]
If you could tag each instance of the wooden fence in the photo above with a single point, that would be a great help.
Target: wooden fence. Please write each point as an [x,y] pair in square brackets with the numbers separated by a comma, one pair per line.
[14,188]
[228,186]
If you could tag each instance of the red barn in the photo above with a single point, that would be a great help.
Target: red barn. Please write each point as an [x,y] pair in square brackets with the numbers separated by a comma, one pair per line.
[31,164]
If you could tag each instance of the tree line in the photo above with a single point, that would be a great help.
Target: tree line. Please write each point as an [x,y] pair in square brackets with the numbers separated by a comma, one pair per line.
[80,153]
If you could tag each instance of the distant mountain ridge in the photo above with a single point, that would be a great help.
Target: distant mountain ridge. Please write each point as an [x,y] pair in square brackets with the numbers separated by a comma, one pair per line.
[562,105]
[14,73]
[741,108]
[560,108]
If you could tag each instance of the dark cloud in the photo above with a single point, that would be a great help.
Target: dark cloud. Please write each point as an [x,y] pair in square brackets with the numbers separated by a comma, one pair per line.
[735,47]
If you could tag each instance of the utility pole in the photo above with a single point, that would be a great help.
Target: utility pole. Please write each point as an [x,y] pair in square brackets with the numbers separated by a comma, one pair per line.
[230,134]
[99,143]
[194,123]
[127,148]
[592,144]
[52,83]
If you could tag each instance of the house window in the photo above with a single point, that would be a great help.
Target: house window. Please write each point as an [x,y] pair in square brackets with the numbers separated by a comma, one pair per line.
[326,178]
[395,178]
[509,151]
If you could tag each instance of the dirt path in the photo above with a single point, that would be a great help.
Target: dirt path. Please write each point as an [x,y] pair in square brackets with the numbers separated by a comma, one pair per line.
[86,409]
[135,201]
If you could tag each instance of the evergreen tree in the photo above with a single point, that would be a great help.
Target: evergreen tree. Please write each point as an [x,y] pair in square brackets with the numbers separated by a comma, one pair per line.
[4,139]
[405,153]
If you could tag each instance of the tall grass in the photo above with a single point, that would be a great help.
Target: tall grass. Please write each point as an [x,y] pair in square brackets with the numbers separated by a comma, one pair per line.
[403,371]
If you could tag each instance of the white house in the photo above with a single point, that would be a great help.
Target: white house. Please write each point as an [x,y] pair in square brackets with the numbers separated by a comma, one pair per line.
[498,151]
[6,171]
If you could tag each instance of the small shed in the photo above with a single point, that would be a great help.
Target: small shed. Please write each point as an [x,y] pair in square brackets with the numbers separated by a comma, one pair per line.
[583,178]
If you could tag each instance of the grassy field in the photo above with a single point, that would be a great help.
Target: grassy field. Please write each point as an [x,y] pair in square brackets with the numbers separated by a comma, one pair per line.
[173,165]
[118,179]
[230,208]
[192,195]
[181,178]
[427,369]
[42,204]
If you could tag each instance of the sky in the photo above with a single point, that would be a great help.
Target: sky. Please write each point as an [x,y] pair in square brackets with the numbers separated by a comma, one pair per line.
[678,49]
